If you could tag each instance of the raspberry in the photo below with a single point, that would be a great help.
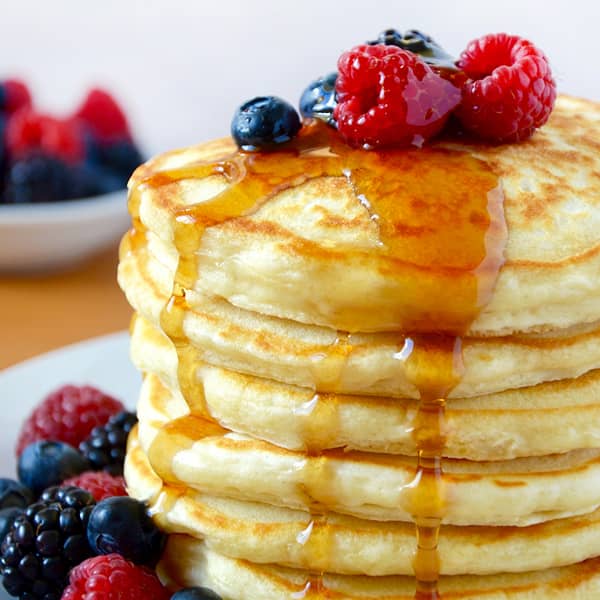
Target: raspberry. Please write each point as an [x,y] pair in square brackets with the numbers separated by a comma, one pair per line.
[510,91]
[111,577]
[389,96]
[14,95]
[68,415]
[28,132]
[98,483]
[103,116]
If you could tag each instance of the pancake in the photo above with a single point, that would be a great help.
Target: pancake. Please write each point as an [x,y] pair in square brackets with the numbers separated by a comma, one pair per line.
[370,364]
[192,451]
[321,232]
[189,562]
[493,427]
[341,544]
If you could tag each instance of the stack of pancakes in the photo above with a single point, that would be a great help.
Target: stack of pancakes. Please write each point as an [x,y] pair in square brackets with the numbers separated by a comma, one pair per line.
[325,368]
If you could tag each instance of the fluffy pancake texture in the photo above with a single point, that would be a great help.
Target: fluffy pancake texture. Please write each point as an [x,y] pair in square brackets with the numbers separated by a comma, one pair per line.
[321,233]
[292,429]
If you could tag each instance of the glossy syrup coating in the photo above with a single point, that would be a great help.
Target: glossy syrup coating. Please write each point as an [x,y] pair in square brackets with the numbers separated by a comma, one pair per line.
[438,211]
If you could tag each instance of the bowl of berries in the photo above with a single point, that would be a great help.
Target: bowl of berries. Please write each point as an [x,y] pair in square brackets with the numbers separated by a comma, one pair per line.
[62,179]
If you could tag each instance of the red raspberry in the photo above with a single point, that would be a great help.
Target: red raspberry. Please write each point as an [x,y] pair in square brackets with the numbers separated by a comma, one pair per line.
[389,96]
[28,131]
[511,91]
[111,577]
[104,116]
[68,415]
[98,483]
[16,95]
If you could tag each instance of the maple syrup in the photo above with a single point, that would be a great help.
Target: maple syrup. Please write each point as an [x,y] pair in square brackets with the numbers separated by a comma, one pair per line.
[442,235]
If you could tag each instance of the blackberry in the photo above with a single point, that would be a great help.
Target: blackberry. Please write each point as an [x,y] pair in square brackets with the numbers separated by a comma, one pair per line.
[45,542]
[105,447]
[418,43]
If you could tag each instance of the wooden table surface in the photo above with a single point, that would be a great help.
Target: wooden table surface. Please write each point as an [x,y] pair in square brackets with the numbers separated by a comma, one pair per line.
[39,313]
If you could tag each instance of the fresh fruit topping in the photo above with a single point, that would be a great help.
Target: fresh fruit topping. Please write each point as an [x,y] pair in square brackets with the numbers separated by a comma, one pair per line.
[418,43]
[29,132]
[105,447]
[14,95]
[44,464]
[68,415]
[45,542]
[390,97]
[13,493]
[104,117]
[264,122]
[318,99]
[100,484]
[195,593]
[510,91]
[122,525]
[111,577]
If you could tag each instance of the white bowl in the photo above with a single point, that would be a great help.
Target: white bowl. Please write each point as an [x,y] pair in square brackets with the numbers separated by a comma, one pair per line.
[51,236]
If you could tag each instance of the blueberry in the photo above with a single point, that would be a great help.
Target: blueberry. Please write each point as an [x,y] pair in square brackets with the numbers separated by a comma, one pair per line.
[264,122]
[13,493]
[195,593]
[318,100]
[122,525]
[2,96]
[37,178]
[45,463]
[7,517]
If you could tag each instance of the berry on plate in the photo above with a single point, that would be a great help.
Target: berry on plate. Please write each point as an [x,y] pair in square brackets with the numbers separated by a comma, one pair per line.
[100,484]
[14,494]
[28,132]
[111,577]
[68,415]
[45,463]
[264,122]
[510,91]
[390,97]
[106,445]
[195,593]
[14,95]
[45,542]
[122,525]
[103,116]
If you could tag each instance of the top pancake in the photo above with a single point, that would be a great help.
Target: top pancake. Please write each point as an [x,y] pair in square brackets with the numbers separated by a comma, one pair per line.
[311,252]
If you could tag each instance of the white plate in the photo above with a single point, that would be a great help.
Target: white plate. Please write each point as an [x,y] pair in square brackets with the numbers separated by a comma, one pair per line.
[37,237]
[102,362]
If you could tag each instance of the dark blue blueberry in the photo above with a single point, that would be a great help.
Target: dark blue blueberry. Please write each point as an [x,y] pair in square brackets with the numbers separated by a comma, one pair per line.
[122,525]
[2,96]
[87,180]
[318,100]
[7,517]
[195,593]
[43,464]
[418,43]
[13,493]
[264,122]
[37,178]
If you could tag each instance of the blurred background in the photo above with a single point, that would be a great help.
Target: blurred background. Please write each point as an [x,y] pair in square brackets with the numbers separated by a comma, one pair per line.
[180,68]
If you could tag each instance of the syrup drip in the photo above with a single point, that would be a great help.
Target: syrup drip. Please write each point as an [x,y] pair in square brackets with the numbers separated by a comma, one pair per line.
[441,236]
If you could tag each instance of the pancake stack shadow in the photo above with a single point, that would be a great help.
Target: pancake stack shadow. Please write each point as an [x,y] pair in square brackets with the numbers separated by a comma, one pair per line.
[279,451]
